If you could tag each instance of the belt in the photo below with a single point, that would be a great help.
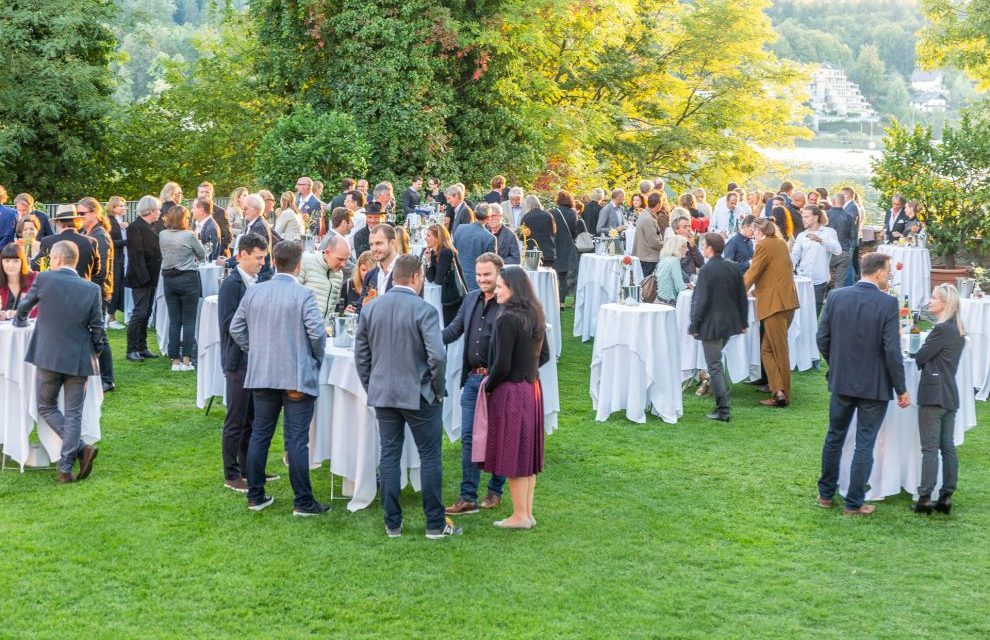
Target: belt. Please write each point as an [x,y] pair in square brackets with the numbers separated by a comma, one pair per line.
[670,303]
[479,371]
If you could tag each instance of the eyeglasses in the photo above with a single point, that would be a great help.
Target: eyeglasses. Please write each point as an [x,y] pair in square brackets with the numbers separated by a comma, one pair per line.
[83,211]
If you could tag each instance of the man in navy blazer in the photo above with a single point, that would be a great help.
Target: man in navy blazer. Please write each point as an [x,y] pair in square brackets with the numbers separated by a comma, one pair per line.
[251,252]
[859,339]
[64,348]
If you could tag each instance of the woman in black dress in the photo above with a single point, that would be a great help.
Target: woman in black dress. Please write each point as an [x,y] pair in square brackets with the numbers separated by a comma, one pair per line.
[439,259]
[542,230]
[566,220]
[515,397]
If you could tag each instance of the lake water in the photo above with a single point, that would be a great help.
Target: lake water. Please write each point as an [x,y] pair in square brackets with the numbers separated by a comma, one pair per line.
[812,167]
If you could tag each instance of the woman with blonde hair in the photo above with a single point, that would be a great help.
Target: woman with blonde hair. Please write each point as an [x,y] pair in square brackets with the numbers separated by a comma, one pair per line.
[116,209]
[772,273]
[170,196]
[97,226]
[402,244]
[353,291]
[235,210]
[938,400]
[288,220]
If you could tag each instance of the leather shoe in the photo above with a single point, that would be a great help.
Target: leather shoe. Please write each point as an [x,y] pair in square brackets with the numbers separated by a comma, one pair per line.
[134,356]
[86,461]
[108,387]
[66,478]
[824,503]
[462,507]
[715,415]
[491,500]
[147,354]
[864,510]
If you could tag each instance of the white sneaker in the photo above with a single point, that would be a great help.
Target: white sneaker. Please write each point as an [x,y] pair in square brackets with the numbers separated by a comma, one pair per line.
[177,367]
[189,367]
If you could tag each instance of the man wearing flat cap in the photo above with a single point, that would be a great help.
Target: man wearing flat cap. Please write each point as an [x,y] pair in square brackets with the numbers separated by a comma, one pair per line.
[68,222]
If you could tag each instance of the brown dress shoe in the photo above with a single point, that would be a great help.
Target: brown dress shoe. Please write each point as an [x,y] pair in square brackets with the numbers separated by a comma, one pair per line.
[865,510]
[66,478]
[86,461]
[462,507]
[824,503]
[491,501]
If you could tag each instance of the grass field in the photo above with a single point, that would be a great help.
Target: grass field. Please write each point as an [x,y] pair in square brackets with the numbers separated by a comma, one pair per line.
[694,530]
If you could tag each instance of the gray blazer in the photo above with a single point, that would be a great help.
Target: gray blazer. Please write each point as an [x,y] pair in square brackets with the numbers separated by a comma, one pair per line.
[398,343]
[609,218]
[70,323]
[279,326]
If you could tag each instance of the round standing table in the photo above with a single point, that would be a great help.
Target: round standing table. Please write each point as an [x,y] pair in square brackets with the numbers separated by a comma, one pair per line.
[598,284]
[741,352]
[635,363]
[914,280]
[209,279]
[975,315]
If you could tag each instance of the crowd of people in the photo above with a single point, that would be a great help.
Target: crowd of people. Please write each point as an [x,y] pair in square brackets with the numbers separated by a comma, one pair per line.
[364,262]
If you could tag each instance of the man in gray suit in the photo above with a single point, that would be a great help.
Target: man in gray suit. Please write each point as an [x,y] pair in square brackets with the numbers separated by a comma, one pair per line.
[279,325]
[64,347]
[612,215]
[401,360]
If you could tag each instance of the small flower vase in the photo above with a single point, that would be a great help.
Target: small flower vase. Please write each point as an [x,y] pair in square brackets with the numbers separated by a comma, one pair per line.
[611,248]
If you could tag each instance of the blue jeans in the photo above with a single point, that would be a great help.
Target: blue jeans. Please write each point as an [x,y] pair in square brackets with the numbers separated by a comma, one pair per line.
[470,472]
[268,403]
[869,418]
[426,425]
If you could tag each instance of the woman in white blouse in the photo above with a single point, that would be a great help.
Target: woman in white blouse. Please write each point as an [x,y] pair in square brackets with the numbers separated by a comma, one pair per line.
[813,250]
[288,223]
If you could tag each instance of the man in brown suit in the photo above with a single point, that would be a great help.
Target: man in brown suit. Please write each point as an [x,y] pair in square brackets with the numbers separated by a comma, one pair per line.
[772,273]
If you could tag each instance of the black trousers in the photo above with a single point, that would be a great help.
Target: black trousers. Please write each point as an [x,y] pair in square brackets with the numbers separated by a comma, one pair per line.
[237,425]
[137,328]
[117,298]
[106,358]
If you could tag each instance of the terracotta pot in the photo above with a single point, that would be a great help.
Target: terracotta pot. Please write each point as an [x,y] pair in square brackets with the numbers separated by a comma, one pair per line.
[942,275]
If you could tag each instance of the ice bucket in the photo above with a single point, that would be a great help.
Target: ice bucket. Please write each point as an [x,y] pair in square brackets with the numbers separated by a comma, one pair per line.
[965,287]
[531,259]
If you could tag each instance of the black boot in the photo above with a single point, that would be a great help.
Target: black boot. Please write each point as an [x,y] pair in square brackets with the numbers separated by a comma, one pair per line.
[923,505]
[944,504]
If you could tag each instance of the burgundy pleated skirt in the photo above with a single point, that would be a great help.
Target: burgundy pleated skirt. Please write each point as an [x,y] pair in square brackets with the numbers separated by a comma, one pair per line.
[515,430]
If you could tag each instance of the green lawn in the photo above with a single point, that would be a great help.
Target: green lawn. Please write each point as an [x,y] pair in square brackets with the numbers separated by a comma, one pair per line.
[694,530]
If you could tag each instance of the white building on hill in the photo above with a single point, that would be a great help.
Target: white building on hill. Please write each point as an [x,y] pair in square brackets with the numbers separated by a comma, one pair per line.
[835,98]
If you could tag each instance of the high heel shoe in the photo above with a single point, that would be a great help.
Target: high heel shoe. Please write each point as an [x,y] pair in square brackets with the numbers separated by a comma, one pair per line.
[923,505]
[944,504]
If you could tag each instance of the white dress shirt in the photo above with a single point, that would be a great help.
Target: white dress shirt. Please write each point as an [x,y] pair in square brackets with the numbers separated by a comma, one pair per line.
[812,258]
[384,275]
[246,277]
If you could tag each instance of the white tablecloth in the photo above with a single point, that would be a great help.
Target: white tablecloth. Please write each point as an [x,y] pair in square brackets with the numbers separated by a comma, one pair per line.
[598,284]
[802,345]
[210,380]
[975,314]
[345,431]
[897,453]
[19,402]
[417,248]
[547,291]
[209,277]
[915,279]
[741,353]
[635,362]
[455,360]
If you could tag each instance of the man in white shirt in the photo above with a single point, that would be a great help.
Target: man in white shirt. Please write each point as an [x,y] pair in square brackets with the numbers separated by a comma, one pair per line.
[512,209]
[813,250]
[725,218]
[382,247]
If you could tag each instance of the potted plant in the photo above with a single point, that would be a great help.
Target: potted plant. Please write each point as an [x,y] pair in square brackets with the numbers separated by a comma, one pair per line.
[950,179]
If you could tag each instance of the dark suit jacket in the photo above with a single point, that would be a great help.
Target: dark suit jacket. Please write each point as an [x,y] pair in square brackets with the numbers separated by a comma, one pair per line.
[69,334]
[144,256]
[89,264]
[463,214]
[719,306]
[590,216]
[232,357]
[211,233]
[739,249]
[507,245]
[117,235]
[8,224]
[362,241]
[104,277]
[493,197]
[938,360]
[542,229]
[858,337]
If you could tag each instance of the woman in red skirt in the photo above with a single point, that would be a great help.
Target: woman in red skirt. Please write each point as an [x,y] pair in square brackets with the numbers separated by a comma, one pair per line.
[515,400]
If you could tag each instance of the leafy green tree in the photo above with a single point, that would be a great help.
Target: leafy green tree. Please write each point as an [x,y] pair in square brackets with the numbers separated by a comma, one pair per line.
[869,71]
[55,88]
[206,124]
[327,146]
[958,35]
[950,179]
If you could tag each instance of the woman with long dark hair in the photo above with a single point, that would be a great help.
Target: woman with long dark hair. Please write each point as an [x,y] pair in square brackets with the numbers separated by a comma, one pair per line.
[439,259]
[515,398]
[16,278]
